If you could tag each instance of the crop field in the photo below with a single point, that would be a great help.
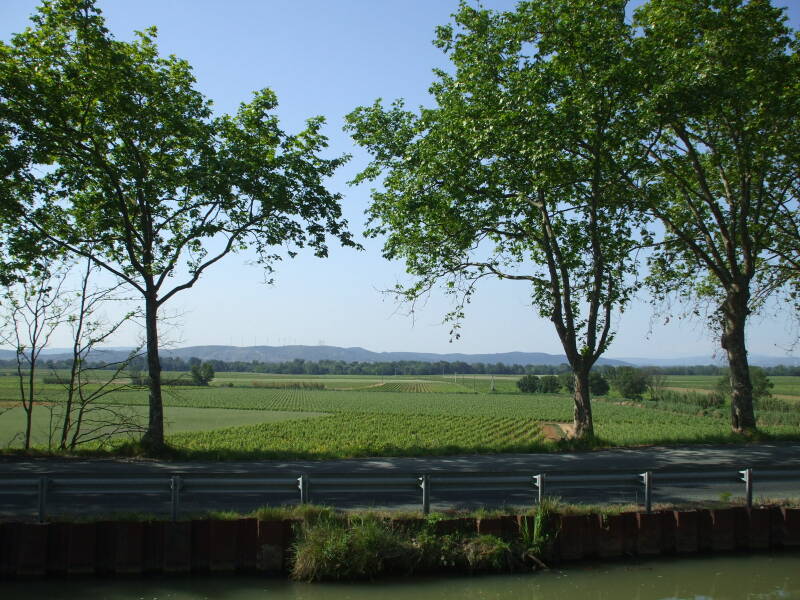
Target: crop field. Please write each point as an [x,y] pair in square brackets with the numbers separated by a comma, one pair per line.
[785,387]
[176,419]
[246,415]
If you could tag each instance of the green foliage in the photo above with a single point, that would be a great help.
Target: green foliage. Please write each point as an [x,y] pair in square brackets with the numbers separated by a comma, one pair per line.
[516,172]
[630,382]
[567,381]
[128,166]
[488,553]
[202,374]
[330,548]
[549,384]
[598,385]
[528,384]
[539,533]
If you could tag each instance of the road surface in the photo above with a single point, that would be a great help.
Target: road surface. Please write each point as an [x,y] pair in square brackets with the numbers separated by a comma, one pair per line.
[657,459]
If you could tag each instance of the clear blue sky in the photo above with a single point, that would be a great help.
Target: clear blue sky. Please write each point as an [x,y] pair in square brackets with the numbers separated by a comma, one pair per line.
[327,57]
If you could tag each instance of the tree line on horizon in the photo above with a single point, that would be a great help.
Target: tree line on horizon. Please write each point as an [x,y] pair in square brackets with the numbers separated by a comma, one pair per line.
[584,153]
[299,366]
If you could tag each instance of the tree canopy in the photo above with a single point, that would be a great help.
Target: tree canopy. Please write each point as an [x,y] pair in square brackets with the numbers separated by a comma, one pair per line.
[721,103]
[514,172]
[116,157]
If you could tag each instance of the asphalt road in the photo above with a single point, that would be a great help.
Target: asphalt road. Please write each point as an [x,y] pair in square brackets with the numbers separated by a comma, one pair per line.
[656,459]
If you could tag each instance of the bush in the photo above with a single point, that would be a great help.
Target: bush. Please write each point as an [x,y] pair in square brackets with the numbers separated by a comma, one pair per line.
[549,384]
[329,548]
[202,374]
[630,382]
[528,384]
[487,553]
[567,381]
[598,386]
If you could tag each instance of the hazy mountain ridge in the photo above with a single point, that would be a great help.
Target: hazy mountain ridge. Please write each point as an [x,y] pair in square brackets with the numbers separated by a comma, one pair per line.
[357,354]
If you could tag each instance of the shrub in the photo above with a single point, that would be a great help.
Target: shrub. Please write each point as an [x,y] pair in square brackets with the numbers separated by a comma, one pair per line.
[528,384]
[549,384]
[329,548]
[487,553]
[202,374]
[598,386]
[567,381]
[630,382]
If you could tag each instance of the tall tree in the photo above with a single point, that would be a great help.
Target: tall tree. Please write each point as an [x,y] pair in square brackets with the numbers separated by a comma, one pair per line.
[514,173]
[141,177]
[721,93]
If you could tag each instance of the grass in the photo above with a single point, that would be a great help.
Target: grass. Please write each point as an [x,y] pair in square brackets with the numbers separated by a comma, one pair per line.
[269,416]
[177,419]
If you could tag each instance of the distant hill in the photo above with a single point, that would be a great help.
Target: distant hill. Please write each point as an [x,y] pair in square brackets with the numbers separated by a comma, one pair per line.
[357,354]
[316,353]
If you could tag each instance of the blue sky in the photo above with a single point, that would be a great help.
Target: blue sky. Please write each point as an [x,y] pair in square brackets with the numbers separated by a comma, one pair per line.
[326,57]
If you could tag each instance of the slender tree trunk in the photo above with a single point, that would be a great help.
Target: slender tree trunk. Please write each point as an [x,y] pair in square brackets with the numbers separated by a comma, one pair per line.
[153,438]
[584,425]
[734,316]
[29,407]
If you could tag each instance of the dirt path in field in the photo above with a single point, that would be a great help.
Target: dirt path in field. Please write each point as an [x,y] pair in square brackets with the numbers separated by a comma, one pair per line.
[555,432]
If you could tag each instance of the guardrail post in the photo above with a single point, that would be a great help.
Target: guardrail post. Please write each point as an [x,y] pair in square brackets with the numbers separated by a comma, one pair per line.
[425,484]
[647,480]
[302,485]
[538,480]
[747,477]
[42,489]
[175,488]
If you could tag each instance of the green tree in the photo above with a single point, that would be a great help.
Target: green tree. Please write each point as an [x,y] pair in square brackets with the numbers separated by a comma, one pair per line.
[513,173]
[630,382]
[140,176]
[720,92]
[549,384]
[202,374]
[528,384]
[598,384]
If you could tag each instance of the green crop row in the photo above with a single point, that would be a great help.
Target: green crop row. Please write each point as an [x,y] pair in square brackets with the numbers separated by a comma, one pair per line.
[352,435]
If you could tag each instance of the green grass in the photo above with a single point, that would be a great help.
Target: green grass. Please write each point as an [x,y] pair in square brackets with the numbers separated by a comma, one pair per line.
[176,419]
[352,435]
[784,385]
[392,416]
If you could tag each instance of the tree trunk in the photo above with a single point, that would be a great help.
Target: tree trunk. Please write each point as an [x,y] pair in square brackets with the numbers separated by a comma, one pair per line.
[584,425]
[29,407]
[735,312]
[153,439]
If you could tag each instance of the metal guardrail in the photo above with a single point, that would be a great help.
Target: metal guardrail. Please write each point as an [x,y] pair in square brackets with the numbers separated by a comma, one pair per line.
[179,485]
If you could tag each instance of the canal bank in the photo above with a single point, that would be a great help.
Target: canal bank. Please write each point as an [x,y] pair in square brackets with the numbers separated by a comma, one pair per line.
[308,545]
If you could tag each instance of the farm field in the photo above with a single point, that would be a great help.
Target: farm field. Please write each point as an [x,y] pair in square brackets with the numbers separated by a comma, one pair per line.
[177,419]
[785,387]
[246,415]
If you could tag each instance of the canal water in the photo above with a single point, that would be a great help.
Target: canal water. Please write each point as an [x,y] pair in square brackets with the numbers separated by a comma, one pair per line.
[763,577]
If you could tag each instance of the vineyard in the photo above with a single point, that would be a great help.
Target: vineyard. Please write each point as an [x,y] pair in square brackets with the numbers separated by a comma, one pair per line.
[251,416]
[351,435]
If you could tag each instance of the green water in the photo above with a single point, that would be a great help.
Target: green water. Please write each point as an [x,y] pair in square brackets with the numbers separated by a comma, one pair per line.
[735,578]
